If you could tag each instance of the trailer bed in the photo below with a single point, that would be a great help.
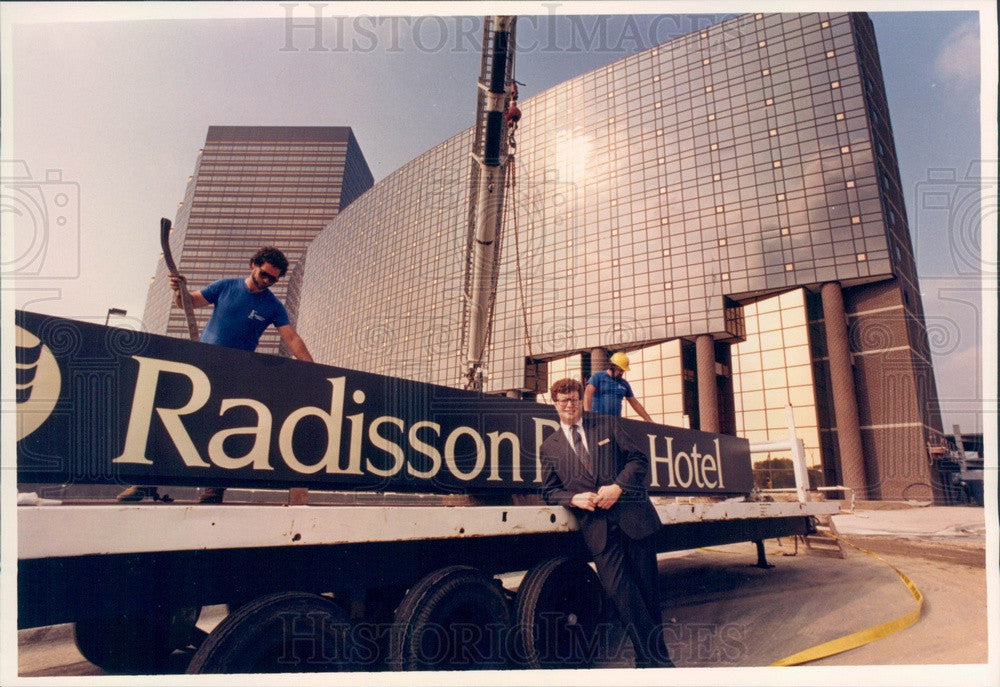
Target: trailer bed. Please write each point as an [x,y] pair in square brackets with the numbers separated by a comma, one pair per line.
[142,528]
[81,561]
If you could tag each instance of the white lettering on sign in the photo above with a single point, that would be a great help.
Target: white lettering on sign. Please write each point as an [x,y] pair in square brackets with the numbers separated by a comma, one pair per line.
[684,469]
[385,446]
[449,453]
[137,437]
[496,438]
[540,425]
[258,454]
[332,419]
[426,449]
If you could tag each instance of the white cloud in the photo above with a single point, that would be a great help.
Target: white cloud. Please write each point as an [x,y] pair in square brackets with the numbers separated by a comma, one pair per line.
[957,64]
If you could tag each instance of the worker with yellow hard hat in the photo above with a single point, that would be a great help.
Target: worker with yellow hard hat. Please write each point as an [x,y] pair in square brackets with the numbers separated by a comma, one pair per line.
[606,389]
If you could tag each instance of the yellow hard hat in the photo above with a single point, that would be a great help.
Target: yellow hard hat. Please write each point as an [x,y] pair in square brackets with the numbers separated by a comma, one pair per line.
[621,360]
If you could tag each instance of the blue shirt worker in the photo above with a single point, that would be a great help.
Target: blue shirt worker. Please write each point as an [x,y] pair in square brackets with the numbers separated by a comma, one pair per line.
[606,389]
[245,308]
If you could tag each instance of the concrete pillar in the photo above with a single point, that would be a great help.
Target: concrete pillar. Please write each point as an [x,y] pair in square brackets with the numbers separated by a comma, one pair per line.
[598,360]
[708,390]
[845,401]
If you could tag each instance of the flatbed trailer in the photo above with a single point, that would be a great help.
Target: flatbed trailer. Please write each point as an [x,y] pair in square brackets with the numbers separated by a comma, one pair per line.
[225,552]
[149,562]
[322,586]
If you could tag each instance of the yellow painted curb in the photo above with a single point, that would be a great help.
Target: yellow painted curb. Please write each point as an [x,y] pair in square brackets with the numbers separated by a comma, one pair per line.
[852,641]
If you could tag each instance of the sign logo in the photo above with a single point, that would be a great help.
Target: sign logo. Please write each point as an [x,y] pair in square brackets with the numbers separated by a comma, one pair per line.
[38,382]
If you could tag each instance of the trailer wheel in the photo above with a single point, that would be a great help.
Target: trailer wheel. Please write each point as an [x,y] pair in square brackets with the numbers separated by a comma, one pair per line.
[558,607]
[135,644]
[455,618]
[286,632]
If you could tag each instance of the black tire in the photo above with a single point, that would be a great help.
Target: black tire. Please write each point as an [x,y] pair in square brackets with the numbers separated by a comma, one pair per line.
[286,632]
[136,644]
[558,611]
[455,618]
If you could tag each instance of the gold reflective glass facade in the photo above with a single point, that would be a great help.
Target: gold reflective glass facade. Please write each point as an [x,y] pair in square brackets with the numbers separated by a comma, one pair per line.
[771,371]
[381,289]
[750,163]
[734,161]
[656,374]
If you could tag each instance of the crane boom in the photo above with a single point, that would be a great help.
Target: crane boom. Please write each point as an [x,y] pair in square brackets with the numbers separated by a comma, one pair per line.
[490,159]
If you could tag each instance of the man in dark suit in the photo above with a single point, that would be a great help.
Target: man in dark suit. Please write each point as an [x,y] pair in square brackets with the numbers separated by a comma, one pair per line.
[592,467]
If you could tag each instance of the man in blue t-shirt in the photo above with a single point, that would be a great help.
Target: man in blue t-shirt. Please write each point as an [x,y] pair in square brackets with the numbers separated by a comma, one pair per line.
[606,389]
[244,308]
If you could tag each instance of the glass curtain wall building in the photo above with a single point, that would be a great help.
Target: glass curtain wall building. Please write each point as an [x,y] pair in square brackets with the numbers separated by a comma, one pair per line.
[255,186]
[726,207]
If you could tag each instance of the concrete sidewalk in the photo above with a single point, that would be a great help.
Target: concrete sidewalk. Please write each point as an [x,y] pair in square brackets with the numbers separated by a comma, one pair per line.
[964,524]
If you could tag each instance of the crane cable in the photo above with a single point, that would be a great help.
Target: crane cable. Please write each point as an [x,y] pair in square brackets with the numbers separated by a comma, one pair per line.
[510,211]
[517,263]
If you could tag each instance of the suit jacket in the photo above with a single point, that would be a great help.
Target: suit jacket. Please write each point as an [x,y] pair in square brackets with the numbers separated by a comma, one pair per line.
[616,460]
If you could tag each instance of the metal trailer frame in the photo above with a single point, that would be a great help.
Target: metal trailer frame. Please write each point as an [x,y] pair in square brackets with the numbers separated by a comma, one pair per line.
[136,557]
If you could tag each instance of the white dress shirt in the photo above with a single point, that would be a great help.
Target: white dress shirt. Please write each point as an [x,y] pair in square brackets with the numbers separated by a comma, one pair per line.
[568,433]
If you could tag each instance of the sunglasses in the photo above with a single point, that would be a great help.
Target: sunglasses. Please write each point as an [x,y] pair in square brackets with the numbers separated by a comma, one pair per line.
[267,276]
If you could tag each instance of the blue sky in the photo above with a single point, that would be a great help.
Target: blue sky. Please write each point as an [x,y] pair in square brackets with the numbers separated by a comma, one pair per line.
[117,98]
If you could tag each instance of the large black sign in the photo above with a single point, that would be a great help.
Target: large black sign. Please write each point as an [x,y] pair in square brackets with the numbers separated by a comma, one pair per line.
[98,405]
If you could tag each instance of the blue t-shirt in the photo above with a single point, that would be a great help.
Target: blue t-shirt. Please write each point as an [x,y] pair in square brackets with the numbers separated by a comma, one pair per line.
[609,394]
[240,316]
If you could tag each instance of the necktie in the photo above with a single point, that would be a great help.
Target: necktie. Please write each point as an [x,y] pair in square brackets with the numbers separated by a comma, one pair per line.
[581,448]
